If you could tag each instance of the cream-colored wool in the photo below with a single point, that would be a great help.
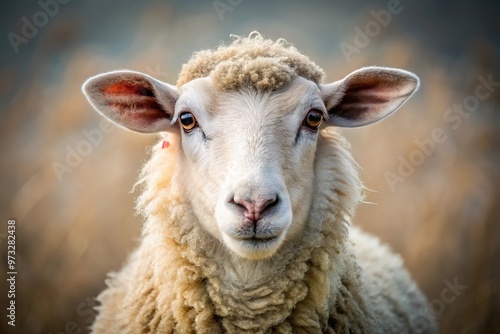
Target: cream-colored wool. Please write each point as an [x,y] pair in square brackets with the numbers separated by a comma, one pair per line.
[253,61]
[333,278]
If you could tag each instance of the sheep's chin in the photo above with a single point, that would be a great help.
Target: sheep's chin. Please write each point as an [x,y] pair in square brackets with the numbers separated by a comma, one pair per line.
[253,249]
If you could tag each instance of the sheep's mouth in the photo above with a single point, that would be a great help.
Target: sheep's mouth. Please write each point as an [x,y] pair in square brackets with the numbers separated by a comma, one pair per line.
[259,243]
[257,237]
[255,246]
[260,239]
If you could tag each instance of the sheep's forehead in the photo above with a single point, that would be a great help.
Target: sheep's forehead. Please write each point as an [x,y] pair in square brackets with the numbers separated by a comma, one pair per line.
[202,97]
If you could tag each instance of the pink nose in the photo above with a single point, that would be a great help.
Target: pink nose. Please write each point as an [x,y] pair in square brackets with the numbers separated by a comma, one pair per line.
[255,209]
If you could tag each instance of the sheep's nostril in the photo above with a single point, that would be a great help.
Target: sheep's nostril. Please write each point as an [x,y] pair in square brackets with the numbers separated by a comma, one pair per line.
[263,205]
[242,204]
[272,203]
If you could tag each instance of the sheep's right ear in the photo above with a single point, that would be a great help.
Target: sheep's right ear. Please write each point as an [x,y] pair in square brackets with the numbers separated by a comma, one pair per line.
[133,100]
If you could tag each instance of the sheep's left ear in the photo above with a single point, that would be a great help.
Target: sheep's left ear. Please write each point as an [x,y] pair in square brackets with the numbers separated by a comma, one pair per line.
[367,95]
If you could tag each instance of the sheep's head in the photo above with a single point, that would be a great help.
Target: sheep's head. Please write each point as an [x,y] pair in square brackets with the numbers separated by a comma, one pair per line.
[248,154]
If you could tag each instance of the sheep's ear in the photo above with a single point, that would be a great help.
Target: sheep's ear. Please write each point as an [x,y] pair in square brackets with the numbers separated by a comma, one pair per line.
[133,100]
[367,95]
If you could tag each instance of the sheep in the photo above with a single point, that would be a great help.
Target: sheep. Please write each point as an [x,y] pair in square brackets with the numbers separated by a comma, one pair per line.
[248,199]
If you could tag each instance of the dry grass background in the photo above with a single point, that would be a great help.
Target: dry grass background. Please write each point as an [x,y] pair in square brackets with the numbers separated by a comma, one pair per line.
[444,218]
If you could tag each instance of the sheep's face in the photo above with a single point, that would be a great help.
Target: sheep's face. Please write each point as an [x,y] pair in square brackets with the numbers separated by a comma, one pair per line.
[248,157]
[251,155]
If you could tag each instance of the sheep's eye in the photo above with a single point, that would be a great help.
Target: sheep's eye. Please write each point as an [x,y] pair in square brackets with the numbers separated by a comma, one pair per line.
[313,119]
[187,120]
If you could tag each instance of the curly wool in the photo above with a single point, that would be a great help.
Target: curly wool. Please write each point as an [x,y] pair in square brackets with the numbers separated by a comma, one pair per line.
[251,61]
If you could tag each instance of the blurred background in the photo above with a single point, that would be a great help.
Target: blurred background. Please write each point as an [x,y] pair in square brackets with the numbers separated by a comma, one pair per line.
[433,169]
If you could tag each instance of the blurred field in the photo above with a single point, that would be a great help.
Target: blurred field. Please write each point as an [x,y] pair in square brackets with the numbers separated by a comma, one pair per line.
[443,218]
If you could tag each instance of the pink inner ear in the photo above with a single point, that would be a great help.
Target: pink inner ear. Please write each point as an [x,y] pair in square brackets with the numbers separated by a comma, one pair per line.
[134,104]
[127,88]
[371,90]
[359,100]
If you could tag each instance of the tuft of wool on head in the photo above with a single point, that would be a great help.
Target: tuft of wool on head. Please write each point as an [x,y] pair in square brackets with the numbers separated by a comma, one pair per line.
[251,61]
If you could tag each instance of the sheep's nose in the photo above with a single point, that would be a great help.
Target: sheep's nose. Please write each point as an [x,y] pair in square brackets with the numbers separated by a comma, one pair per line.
[254,209]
